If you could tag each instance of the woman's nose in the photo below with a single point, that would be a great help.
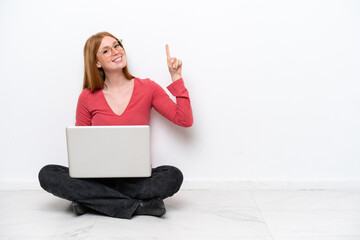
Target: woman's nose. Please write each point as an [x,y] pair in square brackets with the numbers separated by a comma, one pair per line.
[115,51]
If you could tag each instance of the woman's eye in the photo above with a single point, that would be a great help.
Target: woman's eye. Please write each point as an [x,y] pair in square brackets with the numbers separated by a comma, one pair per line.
[105,51]
[117,46]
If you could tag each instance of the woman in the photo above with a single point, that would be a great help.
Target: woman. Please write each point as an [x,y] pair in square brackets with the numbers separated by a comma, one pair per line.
[112,96]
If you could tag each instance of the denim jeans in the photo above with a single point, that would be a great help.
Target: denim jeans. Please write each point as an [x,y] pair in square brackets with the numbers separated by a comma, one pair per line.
[115,197]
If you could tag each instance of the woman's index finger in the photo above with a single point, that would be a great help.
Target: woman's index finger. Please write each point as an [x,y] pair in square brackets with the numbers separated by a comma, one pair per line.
[167,51]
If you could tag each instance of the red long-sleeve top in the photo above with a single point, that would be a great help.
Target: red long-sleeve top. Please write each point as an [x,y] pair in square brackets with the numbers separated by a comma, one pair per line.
[93,109]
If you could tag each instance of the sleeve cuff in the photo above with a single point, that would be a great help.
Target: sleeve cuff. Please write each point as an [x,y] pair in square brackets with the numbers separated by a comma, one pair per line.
[178,89]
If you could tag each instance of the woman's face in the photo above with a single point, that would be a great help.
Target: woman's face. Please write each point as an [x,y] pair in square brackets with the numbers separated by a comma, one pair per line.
[110,56]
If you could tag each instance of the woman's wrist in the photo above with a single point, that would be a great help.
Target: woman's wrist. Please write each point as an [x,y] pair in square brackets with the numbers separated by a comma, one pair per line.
[175,77]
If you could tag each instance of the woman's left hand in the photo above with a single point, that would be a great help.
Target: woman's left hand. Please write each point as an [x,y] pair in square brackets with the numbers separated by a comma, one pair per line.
[175,65]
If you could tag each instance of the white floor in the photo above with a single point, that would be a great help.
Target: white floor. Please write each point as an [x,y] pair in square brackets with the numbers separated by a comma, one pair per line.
[192,214]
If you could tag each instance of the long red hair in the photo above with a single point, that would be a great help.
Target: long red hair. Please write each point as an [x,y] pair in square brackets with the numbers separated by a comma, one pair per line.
[94,77]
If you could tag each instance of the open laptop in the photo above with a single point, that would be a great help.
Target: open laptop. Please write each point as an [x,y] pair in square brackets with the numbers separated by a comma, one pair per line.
[108,151]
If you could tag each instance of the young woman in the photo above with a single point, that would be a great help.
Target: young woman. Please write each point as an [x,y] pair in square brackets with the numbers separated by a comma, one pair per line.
[112,96]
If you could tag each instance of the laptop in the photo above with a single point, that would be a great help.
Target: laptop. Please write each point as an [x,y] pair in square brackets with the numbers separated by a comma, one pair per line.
[108,151]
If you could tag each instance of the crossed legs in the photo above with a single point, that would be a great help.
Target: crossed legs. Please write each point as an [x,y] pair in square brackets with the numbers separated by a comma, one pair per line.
[115,197]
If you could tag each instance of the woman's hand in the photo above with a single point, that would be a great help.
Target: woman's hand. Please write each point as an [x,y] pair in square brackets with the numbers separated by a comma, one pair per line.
[174,65]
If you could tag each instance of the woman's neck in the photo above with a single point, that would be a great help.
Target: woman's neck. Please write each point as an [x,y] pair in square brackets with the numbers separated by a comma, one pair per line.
[115,80]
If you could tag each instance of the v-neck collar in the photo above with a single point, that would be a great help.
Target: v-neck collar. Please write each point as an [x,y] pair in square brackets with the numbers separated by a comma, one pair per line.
[132,95]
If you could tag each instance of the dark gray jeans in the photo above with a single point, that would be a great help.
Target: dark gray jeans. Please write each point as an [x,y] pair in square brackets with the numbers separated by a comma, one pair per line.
[115,197]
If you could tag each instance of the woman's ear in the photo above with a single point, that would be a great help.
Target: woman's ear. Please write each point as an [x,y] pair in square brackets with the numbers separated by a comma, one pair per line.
[98,64]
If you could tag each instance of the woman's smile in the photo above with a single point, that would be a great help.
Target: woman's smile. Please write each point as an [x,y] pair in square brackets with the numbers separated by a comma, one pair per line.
[117,59]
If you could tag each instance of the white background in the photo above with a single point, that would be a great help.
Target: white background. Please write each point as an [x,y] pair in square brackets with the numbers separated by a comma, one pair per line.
[274,85]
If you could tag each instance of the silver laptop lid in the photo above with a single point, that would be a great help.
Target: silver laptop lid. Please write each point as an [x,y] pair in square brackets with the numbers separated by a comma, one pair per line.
[108,151]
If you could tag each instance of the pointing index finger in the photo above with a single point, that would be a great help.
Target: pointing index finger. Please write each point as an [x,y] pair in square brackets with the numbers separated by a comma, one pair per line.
[168,52]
